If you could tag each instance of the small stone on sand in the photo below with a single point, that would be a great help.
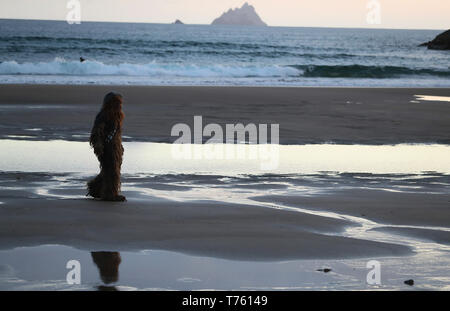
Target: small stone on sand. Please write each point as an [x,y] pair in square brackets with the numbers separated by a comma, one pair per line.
[409,282]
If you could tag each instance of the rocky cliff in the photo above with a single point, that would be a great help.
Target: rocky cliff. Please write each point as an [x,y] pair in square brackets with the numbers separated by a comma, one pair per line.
[441,42]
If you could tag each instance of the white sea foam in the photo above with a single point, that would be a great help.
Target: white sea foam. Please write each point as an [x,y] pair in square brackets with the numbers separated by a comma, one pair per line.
[61,71]
[60,66]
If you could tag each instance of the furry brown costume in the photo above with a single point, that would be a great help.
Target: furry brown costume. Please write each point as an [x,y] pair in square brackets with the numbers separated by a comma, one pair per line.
[106,139]
[108,265]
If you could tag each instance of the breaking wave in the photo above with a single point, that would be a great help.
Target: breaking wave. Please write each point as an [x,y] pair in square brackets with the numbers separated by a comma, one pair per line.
[60,66]
[361,71]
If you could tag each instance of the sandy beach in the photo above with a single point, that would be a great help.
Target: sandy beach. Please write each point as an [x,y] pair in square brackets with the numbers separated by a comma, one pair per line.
[341,216]
[208,228]
[305,115]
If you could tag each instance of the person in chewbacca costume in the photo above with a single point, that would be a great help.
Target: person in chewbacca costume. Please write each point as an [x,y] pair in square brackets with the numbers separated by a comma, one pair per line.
[106,139]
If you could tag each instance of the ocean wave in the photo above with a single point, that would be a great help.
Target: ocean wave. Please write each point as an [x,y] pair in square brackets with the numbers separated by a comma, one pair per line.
[95,68]
[60,66]
[163,48]
[362,71]
[143,42]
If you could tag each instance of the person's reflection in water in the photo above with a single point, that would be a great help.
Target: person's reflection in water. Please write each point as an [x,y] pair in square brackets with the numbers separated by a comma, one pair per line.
[108,266]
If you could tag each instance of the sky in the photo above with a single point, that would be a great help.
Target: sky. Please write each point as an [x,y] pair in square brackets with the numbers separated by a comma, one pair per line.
[404,14]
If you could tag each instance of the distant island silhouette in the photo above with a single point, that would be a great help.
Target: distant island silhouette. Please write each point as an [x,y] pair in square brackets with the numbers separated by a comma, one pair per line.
[246,16]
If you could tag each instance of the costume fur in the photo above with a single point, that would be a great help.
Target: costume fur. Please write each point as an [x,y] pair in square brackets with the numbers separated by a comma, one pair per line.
[106,139]
[108,265]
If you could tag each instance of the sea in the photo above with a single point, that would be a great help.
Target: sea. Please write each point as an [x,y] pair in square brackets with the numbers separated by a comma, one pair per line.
[48,52]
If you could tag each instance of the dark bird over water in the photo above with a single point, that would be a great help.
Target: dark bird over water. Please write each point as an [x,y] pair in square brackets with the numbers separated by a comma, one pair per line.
[82,59]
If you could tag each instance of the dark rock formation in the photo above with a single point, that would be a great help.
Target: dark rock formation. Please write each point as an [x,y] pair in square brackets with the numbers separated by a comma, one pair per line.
[246,15]
[441,42]
[178,22]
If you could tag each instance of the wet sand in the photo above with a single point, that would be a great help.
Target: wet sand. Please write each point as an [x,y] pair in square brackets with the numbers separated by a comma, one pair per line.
[305,115]
[437,236]
[43,268]
[396,215]
[199,226]
[198,240]
[414,209]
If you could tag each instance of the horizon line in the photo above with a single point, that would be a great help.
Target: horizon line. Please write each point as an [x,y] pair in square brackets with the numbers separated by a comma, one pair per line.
[172,23]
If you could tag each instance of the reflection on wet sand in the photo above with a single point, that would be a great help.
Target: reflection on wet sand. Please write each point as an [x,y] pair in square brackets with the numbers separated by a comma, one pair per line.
[108,266]
[433,98]
[158,158]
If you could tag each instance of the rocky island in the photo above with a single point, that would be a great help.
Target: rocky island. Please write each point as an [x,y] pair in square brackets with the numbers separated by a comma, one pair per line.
[246,15]
[178,22]
[441,42]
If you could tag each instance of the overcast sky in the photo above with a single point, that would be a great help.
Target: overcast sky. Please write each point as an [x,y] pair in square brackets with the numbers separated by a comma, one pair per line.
[416,14]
